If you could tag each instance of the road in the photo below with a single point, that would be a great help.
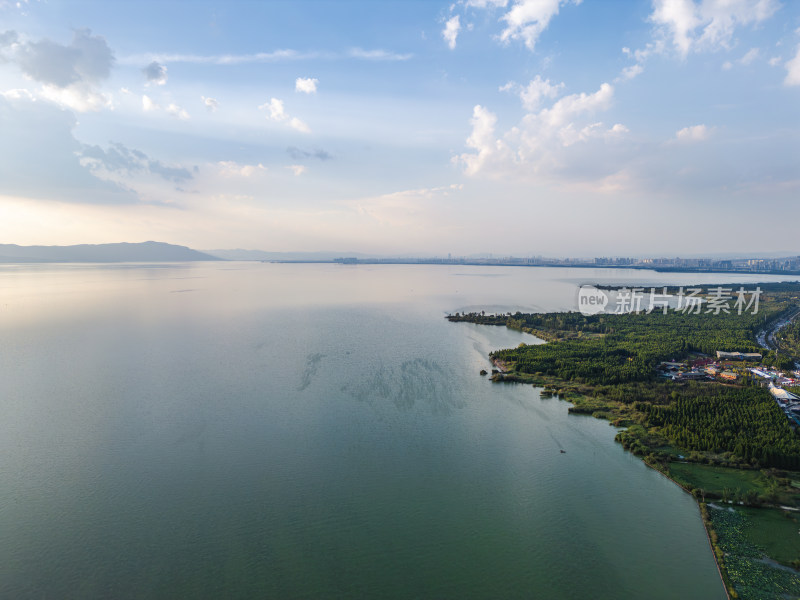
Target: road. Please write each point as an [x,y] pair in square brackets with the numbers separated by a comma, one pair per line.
[766,338]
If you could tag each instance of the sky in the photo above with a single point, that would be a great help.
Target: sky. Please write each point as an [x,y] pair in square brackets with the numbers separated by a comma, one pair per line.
[511,127]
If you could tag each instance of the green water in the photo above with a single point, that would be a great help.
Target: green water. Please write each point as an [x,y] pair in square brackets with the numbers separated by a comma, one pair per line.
[311,431]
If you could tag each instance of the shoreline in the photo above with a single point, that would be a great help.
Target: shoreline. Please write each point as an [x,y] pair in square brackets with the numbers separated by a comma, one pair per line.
[701,506]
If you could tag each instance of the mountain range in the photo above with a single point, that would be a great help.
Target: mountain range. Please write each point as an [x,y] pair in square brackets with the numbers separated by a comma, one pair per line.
[101,253]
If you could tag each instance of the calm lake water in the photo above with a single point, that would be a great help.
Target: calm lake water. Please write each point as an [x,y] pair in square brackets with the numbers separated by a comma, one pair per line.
[248,430]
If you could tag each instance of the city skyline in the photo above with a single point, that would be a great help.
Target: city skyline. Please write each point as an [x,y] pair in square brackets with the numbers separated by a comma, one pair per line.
[525,127]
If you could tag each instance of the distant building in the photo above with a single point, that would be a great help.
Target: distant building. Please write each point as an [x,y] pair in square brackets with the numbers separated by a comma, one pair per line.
[729,375]
[781,394]
[690,375]
[751,356]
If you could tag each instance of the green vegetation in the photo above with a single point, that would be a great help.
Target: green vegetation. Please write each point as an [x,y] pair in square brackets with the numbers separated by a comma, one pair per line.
[751,576]
[719,441]
[721,482]
[776,531]
[788,339]
[745,421]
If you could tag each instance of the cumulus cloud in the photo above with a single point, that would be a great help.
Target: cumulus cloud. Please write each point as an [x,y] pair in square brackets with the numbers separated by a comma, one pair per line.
[483,141]
[306,85]
[231,169]
[155,73]
[631,71]
[297,169]
[122,160]
[707,25]
[298,154]
[8,42]
[793,70]
[210,103]
[172,109]
[450,31]
[176,111]
[275,108]
[39,156]
[695,133]
[542,143]
[148,104]
[69,74]
[277,113]
[640,56]
[537,90]
[527,19]
[87,59]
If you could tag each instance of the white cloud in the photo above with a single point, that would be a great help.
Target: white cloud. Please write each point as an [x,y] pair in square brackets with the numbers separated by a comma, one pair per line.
[231,169]
[41,158]
[210,103]
[707,25]
[172,109]
[297,169]
[680,18]
[148,104]
[750,56]
[695,133]
[631,72]
[543,143]
[299,125]
[278,114]
[486,3]
[412,210]
[774,61]
[18,94]
[377,55]
[70,75]
[576,104]
[263,57]
[275,108]
[79,97]
[450,31]
[527,19]
[482,140]
[118,161]
[537,89]
[87,58]
[793,70]
[155,73]
[306,85]
[176,111]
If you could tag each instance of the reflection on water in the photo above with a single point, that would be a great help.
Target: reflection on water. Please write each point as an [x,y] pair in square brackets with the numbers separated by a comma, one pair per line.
[297,431]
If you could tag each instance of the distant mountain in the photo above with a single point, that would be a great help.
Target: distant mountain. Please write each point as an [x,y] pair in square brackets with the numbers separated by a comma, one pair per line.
[239,254]
[102,253]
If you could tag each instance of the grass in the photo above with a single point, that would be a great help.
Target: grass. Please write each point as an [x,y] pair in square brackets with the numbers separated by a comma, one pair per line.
[717,479]
[752,578]
[774,530]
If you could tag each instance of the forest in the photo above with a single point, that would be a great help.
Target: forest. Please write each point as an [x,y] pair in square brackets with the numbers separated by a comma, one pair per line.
[611,361]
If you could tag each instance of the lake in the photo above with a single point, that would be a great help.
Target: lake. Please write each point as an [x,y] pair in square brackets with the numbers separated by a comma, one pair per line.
[249,430]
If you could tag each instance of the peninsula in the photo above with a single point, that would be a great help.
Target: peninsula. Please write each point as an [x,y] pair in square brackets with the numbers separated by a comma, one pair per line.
[694,396]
